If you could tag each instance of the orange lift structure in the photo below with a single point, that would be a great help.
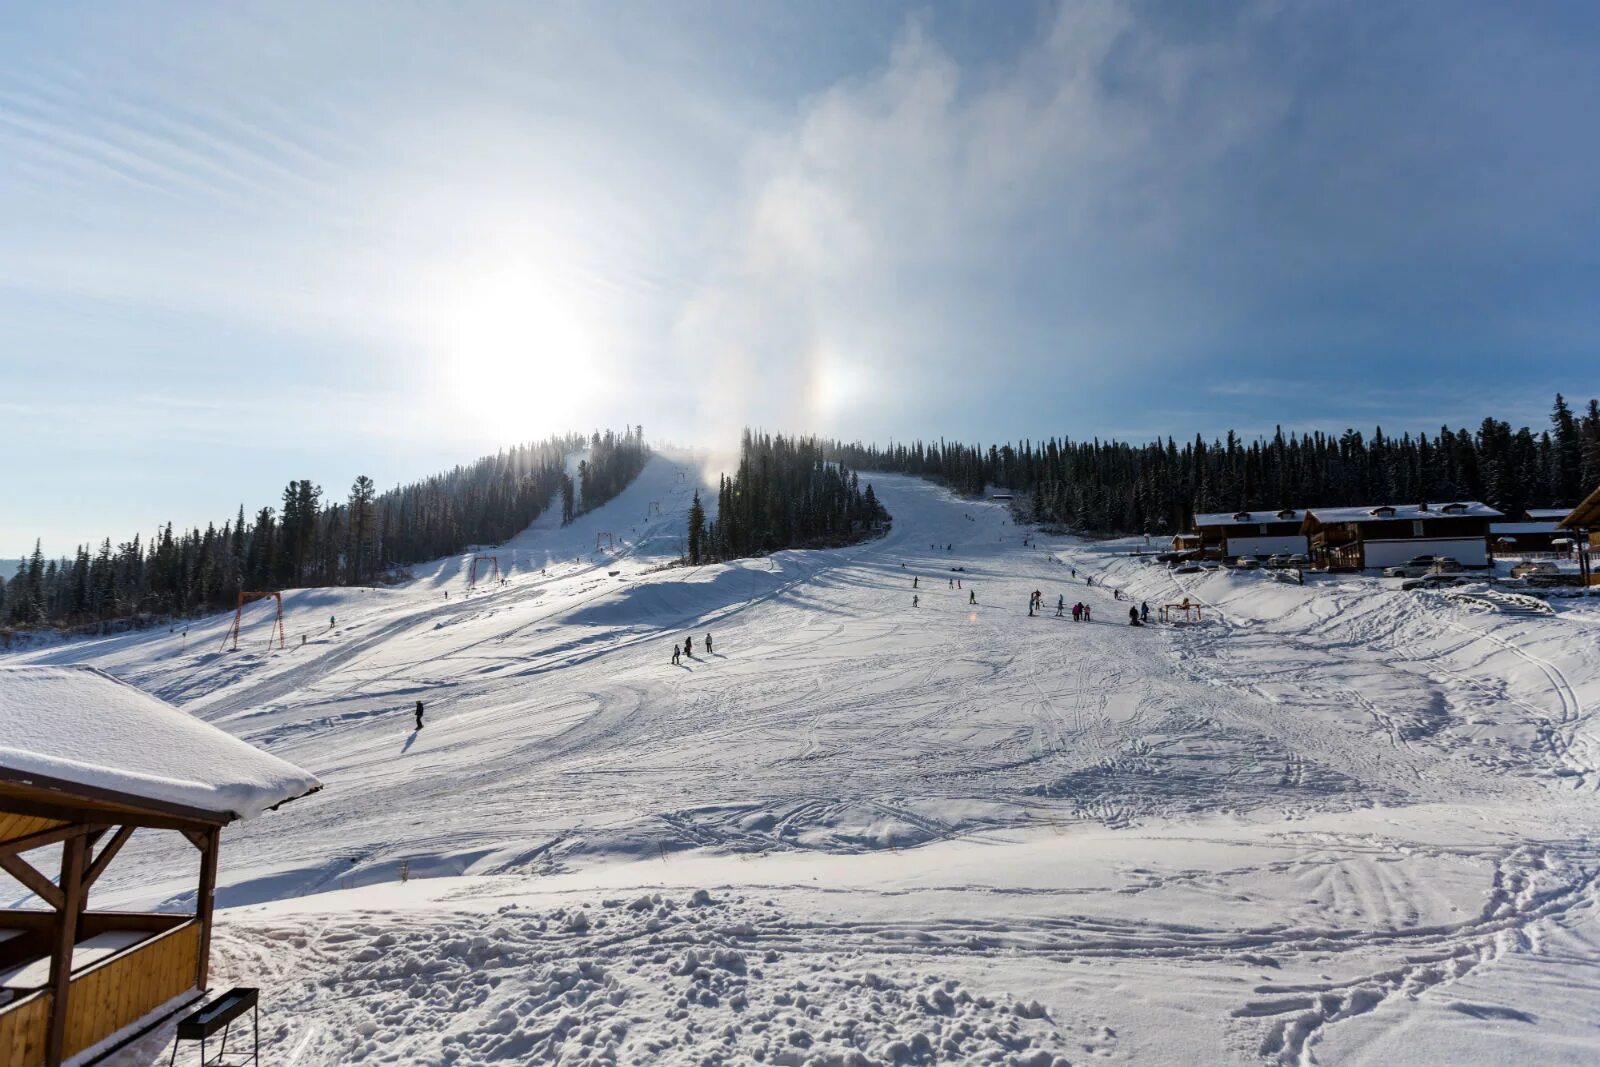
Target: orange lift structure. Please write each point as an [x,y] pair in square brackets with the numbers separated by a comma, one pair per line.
[238,614]
[472,575]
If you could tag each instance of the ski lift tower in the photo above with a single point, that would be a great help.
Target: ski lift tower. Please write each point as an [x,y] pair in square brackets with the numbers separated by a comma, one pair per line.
[472,574]
[604,535]
[238,614]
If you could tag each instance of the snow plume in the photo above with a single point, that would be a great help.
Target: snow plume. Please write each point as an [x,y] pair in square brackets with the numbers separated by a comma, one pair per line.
[885,235]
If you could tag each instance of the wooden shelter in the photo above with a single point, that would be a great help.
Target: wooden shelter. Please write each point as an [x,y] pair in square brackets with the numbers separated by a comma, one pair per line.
[1354,538]
[1585,520]
[85,762]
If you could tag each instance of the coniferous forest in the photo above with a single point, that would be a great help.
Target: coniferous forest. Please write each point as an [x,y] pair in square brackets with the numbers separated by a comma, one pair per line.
[312,540]
[1112,487]
[786,493]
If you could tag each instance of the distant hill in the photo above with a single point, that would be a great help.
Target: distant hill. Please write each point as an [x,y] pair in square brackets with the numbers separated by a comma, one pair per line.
[8,567]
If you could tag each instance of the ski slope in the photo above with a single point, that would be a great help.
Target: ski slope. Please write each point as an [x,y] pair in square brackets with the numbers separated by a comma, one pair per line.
[1332,824]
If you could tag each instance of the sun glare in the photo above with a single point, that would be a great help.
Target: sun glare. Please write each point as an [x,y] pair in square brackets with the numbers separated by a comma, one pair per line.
[516,353]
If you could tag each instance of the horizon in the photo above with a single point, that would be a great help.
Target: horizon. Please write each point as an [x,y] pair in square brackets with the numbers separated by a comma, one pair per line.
[258,243]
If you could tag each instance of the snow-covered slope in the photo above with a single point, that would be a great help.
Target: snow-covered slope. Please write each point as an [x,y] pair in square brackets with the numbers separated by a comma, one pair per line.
[1333,823]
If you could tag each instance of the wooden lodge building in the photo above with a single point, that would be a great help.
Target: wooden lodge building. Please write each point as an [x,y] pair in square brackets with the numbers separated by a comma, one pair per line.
[1536,532]
[86,761]
[1249,533]
[1388,534]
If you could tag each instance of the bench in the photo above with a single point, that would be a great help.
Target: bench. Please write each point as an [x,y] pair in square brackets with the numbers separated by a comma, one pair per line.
[220,1014]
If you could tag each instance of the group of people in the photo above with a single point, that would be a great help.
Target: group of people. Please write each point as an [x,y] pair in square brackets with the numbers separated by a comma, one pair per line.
[687,649]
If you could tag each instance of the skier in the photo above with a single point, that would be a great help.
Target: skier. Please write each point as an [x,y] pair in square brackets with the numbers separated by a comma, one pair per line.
[1061,606]
[1086,617]
[958,583]
[1074,572]
[1090,579]
[419,714]
[913,600]
[913,581]
[1077,613]
[950,583]
[1144,611]
[708,644]
[676,651]
[972,596]
[331,621]
[1133,616]
[447,594]
[1030,607]
[688,647]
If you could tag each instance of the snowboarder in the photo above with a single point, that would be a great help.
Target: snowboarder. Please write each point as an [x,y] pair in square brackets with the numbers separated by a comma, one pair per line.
[1133,616]
[972,596]
[708,644]
[676,652]
[419,714]
[688,647]
[913,600]
[1144,611]
[1061,606]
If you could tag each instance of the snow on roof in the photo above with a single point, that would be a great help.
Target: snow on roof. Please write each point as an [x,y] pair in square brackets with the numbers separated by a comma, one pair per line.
[1247,518]
[1448,509]
[1524,527]
[1548,513]
[80,725]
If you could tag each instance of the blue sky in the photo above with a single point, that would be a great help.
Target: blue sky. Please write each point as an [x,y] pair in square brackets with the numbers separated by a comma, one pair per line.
[246,243]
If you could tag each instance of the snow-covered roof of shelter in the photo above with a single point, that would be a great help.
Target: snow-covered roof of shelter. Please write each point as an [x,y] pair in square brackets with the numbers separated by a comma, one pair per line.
[1447,509]
[80,726]
[1548,513]
[1248,518]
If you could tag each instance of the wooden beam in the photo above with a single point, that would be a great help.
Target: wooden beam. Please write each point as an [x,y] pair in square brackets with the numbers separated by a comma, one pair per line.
[19,845]
[203,908]
[107,853]
[72,862]
[52,808]
[24,872]
[58,790]
[197,838]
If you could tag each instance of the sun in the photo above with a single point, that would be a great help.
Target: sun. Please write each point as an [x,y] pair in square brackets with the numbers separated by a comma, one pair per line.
[518,357]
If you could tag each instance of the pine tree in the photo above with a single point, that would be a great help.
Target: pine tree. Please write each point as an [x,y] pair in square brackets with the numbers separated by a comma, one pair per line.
[697,528]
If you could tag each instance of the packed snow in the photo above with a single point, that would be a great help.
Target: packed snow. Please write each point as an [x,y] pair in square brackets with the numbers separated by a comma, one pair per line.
[1328,823]
[80,726]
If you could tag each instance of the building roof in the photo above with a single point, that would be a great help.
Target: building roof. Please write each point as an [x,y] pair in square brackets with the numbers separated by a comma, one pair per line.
[1247,518]
[1585,514]
[78,727]
[1541,514]
[1448,509]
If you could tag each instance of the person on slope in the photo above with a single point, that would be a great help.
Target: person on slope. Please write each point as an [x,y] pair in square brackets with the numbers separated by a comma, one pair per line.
[419,714]
[1074,572]
[913,600]
[972,596]
[1030,607]
[1061,606]
[676,652]
[331,621]
[1133,616]
[708,644]
[688,647]
[1144,611]
[1090,579]
[913,581]
[1086,617]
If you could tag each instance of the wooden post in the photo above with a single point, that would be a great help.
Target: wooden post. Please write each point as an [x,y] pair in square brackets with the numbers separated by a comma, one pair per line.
[71,885]
[203,904]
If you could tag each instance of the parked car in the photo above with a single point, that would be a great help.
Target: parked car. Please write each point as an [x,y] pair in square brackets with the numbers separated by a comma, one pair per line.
[1534,568]
[1186,568]
[1445,565]
[1247,563]
[1415,567]
[1299,559]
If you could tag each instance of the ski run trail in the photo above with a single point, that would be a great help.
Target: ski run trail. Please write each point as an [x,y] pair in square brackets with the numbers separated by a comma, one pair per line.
[1329,824]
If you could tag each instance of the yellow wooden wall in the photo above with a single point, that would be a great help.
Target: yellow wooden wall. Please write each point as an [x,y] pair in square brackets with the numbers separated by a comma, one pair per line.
[127,987]
[22,1031]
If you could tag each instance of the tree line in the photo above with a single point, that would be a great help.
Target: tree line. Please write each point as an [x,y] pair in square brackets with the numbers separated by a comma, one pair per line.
[786,493]
[312,541]
[1115,487]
